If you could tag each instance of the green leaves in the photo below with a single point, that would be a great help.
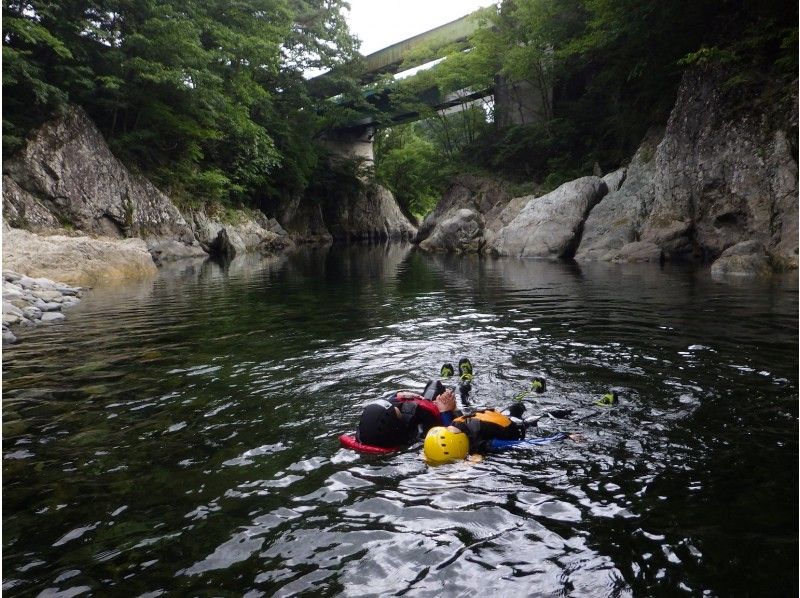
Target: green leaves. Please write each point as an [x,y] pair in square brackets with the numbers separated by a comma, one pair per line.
[194,92]
[411,167]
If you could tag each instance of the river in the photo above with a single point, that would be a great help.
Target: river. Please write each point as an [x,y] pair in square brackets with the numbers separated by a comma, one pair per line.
[180,437]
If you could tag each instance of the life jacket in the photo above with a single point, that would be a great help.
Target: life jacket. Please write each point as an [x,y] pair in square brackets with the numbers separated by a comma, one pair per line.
[488,424]
[418,415]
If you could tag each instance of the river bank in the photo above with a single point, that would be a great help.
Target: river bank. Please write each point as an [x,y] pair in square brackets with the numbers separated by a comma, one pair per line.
[29,301]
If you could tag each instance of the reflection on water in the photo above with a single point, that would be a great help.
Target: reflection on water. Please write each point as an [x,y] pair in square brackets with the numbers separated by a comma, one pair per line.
[180,436]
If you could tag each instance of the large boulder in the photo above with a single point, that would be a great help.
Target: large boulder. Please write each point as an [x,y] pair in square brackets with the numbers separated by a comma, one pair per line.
[372,214]
[461,232]
[748,258]
[81,261]
[617,219]
[484,196]
[304,221]
[724,176]
[67,175]
[550,226]
[249,232]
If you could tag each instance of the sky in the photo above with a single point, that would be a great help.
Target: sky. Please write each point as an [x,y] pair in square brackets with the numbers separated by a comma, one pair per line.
[380,23]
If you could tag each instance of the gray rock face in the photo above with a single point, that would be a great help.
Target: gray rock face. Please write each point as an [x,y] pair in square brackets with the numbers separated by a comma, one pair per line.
[748,258]
[489,198]
[304,221]
[372,215]
[721,181]
[550,226]
[80,261]
[617,219]
[614,180]
[229,240]
[461,232]
[66,173]
[712,182]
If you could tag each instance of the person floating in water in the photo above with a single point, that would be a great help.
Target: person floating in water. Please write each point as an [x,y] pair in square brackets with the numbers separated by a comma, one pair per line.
[479,433]
[403,417]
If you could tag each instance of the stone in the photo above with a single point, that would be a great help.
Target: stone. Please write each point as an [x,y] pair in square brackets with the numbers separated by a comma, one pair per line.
[66,173]
[638,251]
[614,180]
[70,301]
[52,316]
[23,210]
[487,197]
[246,235]
[748,258]
[10,319]
[722,177]
[10,308]
[20,303]
[32,313]
[11,276]
[8,337]
[550,226]
[371,214]
[26,282]
[168,250]
[617,218]
[44,283]
[79,261]
[46,295]
[52,306]
[460,233]
[10,292]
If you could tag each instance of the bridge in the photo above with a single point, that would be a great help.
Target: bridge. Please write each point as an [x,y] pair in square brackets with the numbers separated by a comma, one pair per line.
[515,102]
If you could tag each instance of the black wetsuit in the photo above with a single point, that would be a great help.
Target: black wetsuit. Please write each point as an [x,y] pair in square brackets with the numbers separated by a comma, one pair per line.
[486,425]
[381,426]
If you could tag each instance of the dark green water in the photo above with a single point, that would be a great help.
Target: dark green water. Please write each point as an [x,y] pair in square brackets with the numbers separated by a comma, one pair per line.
[181,437]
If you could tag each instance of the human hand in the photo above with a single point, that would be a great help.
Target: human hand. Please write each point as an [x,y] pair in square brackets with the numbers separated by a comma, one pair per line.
[575,437]
[446,401]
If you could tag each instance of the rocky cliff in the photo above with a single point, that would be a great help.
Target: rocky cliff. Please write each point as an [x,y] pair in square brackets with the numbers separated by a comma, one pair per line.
[719,177]
[720,181]
[68,190]
[67,176]
[479,216]
[369,214]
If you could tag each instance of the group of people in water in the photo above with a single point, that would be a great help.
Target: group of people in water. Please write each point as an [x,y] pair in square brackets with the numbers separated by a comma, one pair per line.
[404,417]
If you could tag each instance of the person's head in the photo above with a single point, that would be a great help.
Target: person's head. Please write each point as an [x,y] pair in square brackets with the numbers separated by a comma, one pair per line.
[381,425]
[445,444]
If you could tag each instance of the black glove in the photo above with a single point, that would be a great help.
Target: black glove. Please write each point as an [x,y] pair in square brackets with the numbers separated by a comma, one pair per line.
[516,410]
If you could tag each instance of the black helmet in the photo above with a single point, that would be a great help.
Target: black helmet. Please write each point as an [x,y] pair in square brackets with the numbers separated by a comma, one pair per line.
[380,425]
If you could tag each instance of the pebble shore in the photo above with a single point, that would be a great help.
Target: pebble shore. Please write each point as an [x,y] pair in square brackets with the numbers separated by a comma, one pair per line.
[30,301]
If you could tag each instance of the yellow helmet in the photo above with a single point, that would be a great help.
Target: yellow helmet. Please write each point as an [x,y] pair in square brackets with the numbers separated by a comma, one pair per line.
[442,445]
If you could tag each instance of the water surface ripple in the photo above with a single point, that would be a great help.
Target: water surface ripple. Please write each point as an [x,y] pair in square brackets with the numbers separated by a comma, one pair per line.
[179,437]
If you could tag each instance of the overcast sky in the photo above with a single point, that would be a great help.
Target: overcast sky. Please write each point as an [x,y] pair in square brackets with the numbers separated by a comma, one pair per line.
[380,23]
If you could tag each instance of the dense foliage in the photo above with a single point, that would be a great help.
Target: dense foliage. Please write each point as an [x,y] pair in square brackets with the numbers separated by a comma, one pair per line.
[613,66]
[206,96]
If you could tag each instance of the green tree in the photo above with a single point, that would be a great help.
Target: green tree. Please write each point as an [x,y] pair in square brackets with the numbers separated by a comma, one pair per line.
[199,94]
[410,167]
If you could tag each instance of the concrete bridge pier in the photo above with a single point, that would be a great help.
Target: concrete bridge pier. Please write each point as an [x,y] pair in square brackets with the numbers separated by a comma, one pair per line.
[353,143]
[521,103]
